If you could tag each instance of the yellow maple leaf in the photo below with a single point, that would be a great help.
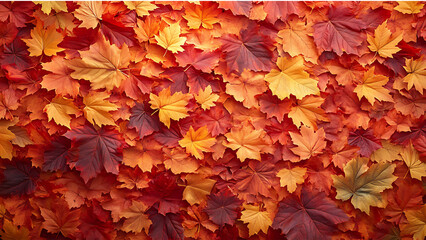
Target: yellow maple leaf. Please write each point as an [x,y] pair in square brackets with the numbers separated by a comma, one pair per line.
[197,142]
[382,42]
[309,143]
[97,109]
[416,76]
[292,79]
[47,6]
[248,142]
[197,188]
[387,153]
[416,223]
[411,158]
[59,109]
[257,220]
[102,65]
[169,38]
[409,7]
[371,87]
[291,177]
[142,8]
[206,98]
[136,219]
[363,184]
[205,14]
[6,136]
[11,232]
[170,106]
[90,13]
[44,41]
[308,111]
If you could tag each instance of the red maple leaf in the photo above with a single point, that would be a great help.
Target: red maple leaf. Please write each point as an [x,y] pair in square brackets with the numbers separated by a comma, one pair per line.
[164,191]
[312,216]
[55,157]
[222,208]
[18,178]
[341,33]
[144,123]
[95,150]
[365,140]
[248,50]
[165,226]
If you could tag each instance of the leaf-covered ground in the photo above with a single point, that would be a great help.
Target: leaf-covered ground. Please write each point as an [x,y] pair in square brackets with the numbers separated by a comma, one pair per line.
[212,120]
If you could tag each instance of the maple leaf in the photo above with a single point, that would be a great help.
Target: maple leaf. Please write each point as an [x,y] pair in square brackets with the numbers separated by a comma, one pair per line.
[411,158]
[169,38]
[281,10]
[237,7]
[309,143]
[248,142]
[245,87]
[60,219]
[59,80]
[371,87]
[102,65]
[48,6]
[308,111]
[145,154]
[256,179]
[169,106]
[22,138]
[142,8]
[59,109]
[17,13]
[6,136]
[297,39]
[167,226]
[206,98]
[11,232]
[363,184]
[249,50]
[44,41]
[409,7]
[136,219]
[340,33]
[222,208]
[257,220]
[90,13]
[164,193]
[179,162]
[142,121]
[204,15]
[97,109]
[387,153]
[197,142]
[18,179]
[416,223]
[291,177]
[55,156]
[197,188]
[365,140]
[96,150]
[312,216]
[416,76]
[199,59]
[382,42]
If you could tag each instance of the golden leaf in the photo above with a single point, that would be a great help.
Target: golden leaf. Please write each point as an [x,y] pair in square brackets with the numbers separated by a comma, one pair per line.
[291,177]
[257,220]
[169,38]
[197,142]
[292,79]
[59,109]
[383,43]
[372,88]
[170,106]
[44,41]
[97,109]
